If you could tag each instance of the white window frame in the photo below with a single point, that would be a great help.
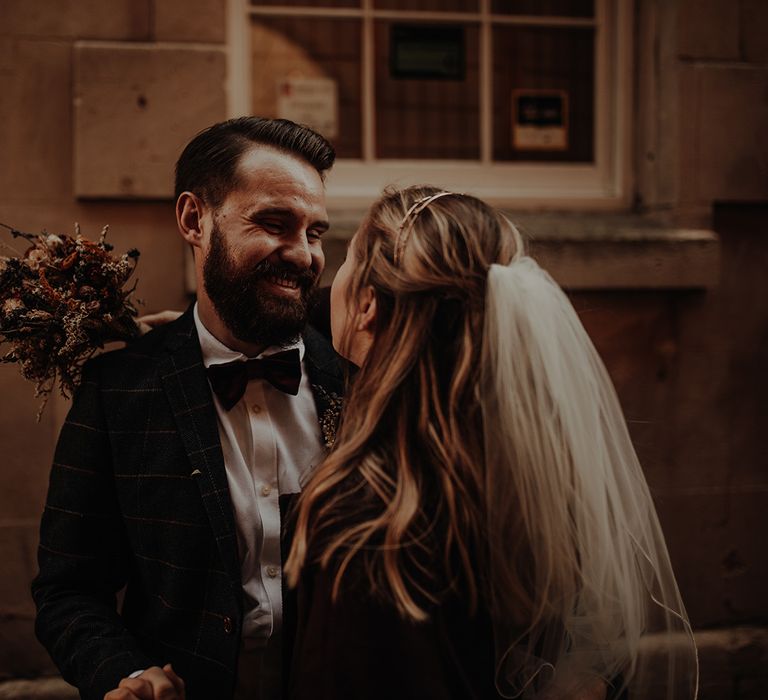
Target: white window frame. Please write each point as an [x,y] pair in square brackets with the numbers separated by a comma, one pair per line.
[602,185]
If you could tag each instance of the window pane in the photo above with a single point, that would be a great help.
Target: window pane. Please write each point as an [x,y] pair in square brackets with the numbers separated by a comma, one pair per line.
[307,3]
[433,5]
[544,61]
[296,48]
[557,8]
[427,104]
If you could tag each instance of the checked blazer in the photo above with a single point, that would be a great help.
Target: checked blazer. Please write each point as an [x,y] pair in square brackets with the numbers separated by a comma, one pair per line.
[138,499]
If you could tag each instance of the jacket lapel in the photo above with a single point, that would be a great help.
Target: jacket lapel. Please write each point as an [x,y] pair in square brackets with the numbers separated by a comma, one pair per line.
[327,380]
[189,395]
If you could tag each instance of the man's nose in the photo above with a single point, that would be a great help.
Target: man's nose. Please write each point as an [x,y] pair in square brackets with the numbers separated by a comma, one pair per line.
[296,251]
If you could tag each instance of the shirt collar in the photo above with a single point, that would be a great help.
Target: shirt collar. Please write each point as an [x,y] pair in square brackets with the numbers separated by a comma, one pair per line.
[216,353]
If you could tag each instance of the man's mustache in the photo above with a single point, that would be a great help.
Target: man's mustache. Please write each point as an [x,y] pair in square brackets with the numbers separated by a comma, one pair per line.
[306,279]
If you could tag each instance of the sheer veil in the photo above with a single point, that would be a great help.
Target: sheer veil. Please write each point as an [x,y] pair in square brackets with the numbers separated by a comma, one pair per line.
[581,582]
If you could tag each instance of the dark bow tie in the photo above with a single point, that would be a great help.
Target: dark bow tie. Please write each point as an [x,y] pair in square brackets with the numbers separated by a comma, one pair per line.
[282,370]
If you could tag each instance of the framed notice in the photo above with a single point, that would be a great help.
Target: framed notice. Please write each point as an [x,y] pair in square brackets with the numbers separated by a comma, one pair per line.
[310,101]
[540,120]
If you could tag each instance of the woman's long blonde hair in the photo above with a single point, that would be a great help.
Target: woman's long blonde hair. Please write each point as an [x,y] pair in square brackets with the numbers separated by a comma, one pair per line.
[403,488]
[483,451]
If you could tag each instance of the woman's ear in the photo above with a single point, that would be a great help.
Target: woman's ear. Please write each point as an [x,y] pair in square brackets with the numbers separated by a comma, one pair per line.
[367,310]
[189,216]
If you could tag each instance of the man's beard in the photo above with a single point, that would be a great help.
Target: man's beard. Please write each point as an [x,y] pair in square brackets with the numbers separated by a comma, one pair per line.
[252,314]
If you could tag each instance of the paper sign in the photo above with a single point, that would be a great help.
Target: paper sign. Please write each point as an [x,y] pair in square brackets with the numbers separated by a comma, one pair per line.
[310,101]
[540,120]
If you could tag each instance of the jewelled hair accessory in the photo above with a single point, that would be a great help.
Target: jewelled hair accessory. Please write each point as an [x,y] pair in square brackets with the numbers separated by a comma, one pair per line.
[406,224]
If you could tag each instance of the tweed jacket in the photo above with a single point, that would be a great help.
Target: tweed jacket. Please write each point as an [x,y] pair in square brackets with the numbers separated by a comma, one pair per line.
[138,500]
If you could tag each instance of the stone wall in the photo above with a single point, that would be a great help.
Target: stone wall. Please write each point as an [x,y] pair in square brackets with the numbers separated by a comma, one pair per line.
[701,105]
[702,159]
[98,96]
[690,368]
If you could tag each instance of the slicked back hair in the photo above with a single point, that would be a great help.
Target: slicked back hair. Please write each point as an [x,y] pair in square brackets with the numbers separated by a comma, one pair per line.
[207,166]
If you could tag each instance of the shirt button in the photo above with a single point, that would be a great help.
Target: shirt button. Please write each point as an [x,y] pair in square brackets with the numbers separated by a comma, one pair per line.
[272,571]
[228,625]
[266,490]
[256,408]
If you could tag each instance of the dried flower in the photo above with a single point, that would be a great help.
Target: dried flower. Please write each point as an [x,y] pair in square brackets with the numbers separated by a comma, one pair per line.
[60,301]
[11,305]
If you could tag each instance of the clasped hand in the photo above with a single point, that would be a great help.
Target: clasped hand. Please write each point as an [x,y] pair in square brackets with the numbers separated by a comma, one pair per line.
[153,684]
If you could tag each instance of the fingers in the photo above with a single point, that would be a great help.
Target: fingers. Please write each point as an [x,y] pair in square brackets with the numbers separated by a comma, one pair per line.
[158,319]
[136,688]
[152,684]
[121,694]
[178,682]
[144,328]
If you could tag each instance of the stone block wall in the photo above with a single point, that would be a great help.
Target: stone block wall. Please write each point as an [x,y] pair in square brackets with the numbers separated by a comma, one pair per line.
[98,96]
[702,86]
[690,371]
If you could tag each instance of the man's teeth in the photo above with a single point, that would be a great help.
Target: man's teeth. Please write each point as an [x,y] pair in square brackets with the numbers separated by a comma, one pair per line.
[284,281]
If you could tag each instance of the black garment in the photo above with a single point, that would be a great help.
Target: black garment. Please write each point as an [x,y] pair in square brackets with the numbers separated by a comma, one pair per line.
[361,648]
[138,497]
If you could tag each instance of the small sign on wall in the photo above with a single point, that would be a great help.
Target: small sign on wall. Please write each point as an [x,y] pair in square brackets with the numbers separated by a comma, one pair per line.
[540,120]
[310,101]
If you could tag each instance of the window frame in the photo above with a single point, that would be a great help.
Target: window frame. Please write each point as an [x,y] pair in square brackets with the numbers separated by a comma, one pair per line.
[354,183]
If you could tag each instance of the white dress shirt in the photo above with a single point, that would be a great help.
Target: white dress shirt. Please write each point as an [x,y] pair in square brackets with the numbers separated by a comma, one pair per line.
[270,440]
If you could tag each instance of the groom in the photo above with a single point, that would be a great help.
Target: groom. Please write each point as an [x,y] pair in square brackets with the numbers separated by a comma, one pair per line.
[176,460]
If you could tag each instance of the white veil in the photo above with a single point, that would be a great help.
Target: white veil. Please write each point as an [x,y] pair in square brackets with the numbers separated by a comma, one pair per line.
[580,575]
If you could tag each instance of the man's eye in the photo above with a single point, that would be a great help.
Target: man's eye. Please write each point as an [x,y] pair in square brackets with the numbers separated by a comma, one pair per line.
[314,235]
[272,226]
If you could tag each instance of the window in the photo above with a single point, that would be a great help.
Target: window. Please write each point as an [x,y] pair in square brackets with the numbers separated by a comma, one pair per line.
[522,102]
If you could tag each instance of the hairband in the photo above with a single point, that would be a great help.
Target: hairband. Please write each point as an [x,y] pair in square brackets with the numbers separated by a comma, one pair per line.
[410,216]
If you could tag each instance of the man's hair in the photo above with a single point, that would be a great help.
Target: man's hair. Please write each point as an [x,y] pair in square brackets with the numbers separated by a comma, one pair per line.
[208,165]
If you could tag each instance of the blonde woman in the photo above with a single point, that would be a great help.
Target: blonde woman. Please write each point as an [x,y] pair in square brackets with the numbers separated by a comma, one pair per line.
[481,528]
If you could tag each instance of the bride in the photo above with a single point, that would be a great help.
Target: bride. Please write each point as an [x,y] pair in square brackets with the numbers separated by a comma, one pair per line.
[482,527]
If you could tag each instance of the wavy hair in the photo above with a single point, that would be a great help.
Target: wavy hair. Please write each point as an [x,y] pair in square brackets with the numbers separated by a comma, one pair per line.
[403,488]
[483,452]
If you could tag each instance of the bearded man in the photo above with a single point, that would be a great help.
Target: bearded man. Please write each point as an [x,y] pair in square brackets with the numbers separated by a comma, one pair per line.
[180,452]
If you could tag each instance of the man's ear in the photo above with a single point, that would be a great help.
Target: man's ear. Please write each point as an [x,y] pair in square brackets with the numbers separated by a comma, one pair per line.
[189,215]
[367,310]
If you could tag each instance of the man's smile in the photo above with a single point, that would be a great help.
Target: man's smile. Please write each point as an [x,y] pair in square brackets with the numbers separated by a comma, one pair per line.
[286,282]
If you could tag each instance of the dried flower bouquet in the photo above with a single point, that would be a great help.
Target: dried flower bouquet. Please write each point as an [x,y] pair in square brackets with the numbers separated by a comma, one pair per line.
[60,301]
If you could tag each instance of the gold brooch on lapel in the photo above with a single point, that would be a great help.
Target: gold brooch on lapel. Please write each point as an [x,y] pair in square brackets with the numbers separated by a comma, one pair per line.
[329,420]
